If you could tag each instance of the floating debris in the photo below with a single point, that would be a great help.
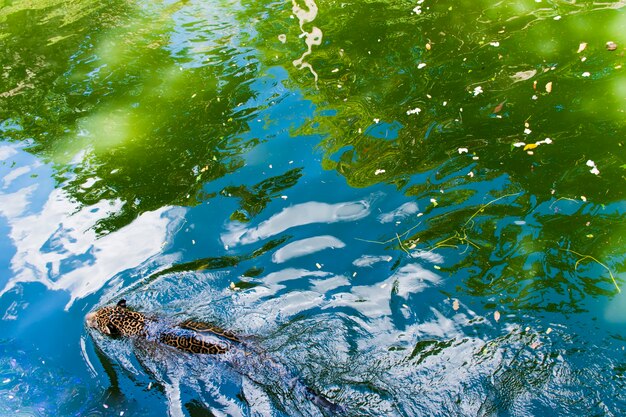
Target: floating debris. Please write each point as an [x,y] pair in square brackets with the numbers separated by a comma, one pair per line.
[586,74]
[379,171]
[418,9]
[611,46]
[496,315]
[523,75]
[455,305]
[463,150]
[549,87]
[594,169]
[421,65]
[416,110]
[282,38]
[546,141]
[581,47]
[478,90]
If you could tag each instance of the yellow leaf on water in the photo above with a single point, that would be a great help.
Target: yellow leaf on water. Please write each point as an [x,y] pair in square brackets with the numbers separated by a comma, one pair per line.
[530,146]
[549,87]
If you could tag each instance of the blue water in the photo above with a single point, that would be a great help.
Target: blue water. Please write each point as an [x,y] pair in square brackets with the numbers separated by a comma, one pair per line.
[419,282]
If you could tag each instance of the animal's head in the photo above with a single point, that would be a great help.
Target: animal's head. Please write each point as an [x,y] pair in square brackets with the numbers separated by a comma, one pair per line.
[116,320]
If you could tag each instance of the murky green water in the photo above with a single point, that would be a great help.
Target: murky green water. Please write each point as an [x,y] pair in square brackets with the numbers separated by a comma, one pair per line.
[420,205]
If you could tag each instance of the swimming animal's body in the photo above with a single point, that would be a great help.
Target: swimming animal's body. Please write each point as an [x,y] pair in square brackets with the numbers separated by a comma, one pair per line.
[192,337]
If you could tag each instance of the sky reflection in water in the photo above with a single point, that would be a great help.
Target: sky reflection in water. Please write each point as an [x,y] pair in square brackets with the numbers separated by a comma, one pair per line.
[348,184]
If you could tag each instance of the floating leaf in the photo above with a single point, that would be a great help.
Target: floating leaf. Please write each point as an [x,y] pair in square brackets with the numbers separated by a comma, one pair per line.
[455,305]
[496,315]
[581,47]
[498,108]
[549,87]
[523,75]
[530,146]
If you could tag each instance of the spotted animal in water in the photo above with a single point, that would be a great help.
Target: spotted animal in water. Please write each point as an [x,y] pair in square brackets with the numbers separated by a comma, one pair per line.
[193,337]
[119,320]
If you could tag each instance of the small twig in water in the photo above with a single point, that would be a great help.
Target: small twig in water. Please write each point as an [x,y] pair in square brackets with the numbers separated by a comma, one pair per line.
[563,198]
[402,246]
[390,240]
[485,206]
[583,257]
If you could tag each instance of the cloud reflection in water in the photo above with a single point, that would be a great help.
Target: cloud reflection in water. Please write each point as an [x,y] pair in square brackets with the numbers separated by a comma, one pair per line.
[57,246]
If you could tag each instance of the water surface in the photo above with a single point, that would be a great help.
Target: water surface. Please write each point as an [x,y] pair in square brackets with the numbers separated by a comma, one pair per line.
[416,207]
